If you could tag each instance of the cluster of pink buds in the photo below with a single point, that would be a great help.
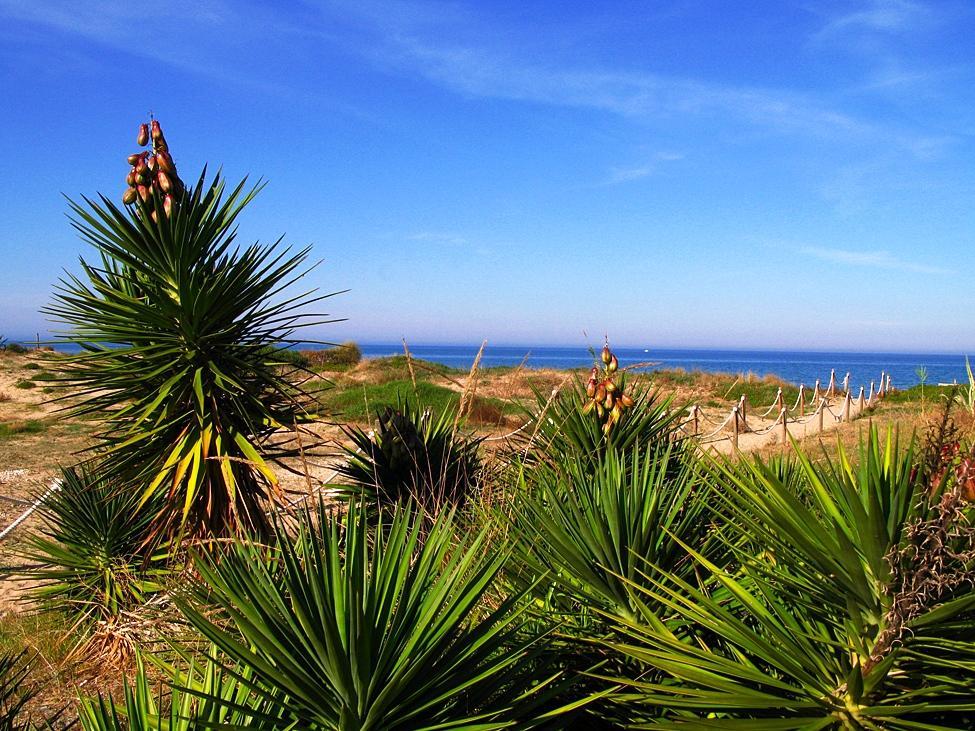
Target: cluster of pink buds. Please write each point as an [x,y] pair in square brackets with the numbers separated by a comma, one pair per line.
[605,396]
[152,171]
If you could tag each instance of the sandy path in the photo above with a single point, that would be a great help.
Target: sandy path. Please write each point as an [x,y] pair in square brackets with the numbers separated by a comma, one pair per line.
[760,432]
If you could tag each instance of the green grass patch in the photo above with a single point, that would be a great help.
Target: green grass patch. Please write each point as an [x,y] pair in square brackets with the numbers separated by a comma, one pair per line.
[25,383]
[31,366]
[14,428]
[360,402]
[913,394]
[44,376]
[395,368]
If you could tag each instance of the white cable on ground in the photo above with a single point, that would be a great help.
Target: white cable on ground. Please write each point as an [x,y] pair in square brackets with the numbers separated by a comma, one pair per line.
[509,434]
[55,486]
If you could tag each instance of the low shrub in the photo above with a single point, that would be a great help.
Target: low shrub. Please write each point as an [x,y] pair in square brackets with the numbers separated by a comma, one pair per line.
[14,428]
[344,355]
[25,384]
[32,366]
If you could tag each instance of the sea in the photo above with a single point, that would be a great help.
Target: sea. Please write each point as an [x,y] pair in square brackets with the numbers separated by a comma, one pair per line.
[794,366]
[791,365]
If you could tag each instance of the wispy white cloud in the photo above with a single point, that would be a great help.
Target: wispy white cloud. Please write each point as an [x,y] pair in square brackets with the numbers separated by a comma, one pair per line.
[870,259]
[887,16]
[627,174]
[437,237]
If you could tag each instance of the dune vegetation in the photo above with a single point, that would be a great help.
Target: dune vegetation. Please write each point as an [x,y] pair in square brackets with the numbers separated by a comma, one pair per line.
[192,567]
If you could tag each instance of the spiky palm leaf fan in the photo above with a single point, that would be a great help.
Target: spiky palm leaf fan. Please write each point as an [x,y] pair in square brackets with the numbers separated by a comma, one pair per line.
[359,626]
[174,320]
[848,607]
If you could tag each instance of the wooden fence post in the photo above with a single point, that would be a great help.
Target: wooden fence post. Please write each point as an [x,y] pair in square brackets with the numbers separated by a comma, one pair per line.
[870,398]
[817,392]
[831,391]
[846,381]
[846,406]
[785,427]
[802,399]
[734,429]
[861,404]
[822,408]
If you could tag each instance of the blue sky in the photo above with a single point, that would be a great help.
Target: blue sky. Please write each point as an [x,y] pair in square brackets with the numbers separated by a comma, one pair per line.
[712,173]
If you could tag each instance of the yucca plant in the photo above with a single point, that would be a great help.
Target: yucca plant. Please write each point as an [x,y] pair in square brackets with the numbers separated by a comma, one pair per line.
[96,561]
[588,532]
[565,428]
[358,627]
[174,321]
[413,454]
[201,697]
[850,609]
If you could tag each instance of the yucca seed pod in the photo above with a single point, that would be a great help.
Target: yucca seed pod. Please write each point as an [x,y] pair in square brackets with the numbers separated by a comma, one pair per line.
[617,412]
[168,205]
[165,184]
[156,130]
[143,137]
[590,405]
[610,386]
[612,365]
[600,411]
[130,178]
[165,162]
[591,389]
[160,145]
[608,403]
[128,198]
[601,392]
[133,158]
[626,400]
[154,217]
[606,355]
[607,428]
[143,192]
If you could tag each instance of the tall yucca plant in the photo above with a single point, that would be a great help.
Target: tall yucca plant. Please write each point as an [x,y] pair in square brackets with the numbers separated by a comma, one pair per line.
[848,605]
[360,628]
[173,320]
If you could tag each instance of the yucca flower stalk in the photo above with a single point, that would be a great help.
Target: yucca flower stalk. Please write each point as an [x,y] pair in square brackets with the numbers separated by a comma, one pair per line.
[174,320]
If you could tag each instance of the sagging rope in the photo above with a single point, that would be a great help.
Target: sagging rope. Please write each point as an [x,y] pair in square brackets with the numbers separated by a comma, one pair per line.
[53,488]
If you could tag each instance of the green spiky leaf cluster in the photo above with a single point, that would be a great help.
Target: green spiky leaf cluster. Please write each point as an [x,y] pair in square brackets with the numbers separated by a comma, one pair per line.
[815,622]
[356,626]
[95,562]
[413,454]
[563,429]
[174,320]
